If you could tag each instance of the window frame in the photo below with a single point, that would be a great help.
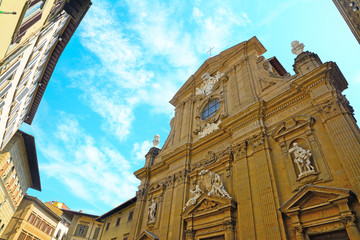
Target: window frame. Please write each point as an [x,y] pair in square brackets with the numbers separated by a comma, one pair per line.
[210,109]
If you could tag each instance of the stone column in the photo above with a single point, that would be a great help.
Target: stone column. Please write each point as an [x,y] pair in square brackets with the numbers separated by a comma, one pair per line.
[348,219]
[299,233]
[351,227]
[296,224]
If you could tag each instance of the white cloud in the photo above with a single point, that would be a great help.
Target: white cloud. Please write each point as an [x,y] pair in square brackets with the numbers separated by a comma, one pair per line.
[272,15]
[141,149]
[90,171]
[102,34]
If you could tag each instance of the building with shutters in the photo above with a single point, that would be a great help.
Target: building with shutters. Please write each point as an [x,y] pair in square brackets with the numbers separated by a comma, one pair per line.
[63,226]
[254,153]
[33,220]
[117,222]
[83,226]
[18,171]
[32,41]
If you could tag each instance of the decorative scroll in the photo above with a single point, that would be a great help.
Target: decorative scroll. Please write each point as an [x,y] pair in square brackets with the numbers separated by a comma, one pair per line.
[208,83]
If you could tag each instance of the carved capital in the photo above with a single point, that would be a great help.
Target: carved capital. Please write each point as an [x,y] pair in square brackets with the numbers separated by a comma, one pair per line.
[298,229]
[258,141]
[348,220]
[283,147]
[140,193]
[240,150]
[190,234]
[329,108]
[169,181]
[229,224]
[180,176]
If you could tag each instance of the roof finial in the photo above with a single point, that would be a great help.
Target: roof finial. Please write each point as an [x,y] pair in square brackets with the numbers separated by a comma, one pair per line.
[297,47]
[156,140]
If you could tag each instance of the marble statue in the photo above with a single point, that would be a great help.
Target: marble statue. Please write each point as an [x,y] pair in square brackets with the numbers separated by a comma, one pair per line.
[156,140]
[152,211]
[297,47]
[302,159]
[196,194]
[214,184]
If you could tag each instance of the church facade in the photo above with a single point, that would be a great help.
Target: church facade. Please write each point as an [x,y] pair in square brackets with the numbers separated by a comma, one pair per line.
[254,153]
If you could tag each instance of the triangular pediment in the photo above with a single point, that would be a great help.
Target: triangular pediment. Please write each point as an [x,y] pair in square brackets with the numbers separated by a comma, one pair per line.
[146,235]
[214,63]
[207,204]
[311,196]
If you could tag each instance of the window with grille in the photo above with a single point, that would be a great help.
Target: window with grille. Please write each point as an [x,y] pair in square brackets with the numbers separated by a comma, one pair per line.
[210,109]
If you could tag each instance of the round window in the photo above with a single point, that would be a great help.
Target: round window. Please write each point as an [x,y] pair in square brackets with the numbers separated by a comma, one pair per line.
[210,109]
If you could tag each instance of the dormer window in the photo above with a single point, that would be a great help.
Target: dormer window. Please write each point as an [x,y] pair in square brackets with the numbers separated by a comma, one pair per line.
[210,109]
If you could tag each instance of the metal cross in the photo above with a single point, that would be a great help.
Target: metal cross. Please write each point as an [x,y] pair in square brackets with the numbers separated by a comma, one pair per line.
[211,48]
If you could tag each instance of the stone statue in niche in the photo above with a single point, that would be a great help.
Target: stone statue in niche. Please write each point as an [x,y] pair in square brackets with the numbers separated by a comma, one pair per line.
[213,184]
[196,194]
[302,159]
[152,211]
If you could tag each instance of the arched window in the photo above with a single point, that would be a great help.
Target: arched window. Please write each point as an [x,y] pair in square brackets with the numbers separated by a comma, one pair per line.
[210,109]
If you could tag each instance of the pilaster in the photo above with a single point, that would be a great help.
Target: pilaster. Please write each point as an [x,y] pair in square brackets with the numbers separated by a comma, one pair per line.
[344,136]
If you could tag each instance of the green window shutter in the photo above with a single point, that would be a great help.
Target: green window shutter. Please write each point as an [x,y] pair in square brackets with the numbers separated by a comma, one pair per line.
[86,229]
[77,230]
[96,233]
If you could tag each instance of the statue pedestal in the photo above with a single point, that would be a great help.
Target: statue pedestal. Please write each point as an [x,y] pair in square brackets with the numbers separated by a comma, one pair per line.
[307,177]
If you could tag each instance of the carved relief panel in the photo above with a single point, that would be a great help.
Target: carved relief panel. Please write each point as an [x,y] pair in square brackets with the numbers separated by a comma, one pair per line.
[301,152]
[210,104]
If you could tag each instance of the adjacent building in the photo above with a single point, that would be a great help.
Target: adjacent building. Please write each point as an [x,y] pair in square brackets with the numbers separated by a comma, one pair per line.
[350,10]
[18,171]
[117,222]
[32,41]
[33,220]
[63,226]
[254,153]
[82,226]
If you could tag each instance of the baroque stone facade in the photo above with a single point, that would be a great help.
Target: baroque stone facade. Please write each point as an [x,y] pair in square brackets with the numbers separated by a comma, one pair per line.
[254,153]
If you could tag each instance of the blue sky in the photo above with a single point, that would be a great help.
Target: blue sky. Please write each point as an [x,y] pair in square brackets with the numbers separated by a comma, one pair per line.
[109,93]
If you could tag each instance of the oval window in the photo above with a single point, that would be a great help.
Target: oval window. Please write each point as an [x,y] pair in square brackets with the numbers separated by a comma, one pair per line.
[210,109]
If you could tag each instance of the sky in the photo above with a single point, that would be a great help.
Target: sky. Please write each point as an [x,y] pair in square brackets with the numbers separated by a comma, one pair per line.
[109,94]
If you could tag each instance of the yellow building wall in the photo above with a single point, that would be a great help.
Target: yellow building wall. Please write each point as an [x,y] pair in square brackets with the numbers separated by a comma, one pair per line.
[9,23]
[120,231]
[87,221]
[20,222]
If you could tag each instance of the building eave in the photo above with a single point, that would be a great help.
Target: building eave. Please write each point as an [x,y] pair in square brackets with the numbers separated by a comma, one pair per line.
[51,64]
[43,206]
[29,142]
[118,208]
